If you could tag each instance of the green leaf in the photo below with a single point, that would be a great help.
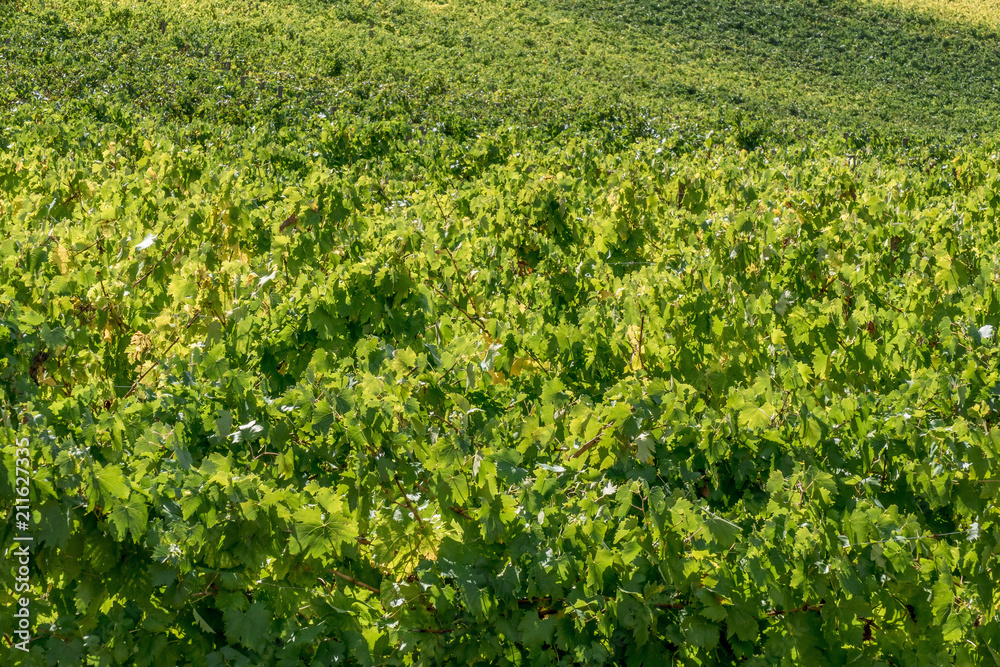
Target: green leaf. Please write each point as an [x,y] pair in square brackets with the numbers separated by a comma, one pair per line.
[31,318]
[726,533]
[130,518]
[942,599]
[202,623]
[535,631]
[54,337]
[319,532]
[112,483]
[645,447]
[323,324]
[252,628]
[247,432]
[742,624]
[323,417]
[775,482]
[813,432]
[701,632]
[712,608]
[216,468]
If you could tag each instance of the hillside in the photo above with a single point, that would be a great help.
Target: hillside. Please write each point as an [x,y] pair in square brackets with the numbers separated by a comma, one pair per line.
[504,333]
[641,67]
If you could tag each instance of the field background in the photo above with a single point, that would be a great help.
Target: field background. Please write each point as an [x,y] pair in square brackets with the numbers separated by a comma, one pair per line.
[515,333]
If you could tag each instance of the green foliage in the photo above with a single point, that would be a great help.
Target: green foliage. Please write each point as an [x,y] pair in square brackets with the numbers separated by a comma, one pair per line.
[305,385]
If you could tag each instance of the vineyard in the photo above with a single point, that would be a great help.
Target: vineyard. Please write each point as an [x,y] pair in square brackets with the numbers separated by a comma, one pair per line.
[528,332]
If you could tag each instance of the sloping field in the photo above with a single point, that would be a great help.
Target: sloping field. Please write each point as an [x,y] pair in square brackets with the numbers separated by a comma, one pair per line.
[511,333]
